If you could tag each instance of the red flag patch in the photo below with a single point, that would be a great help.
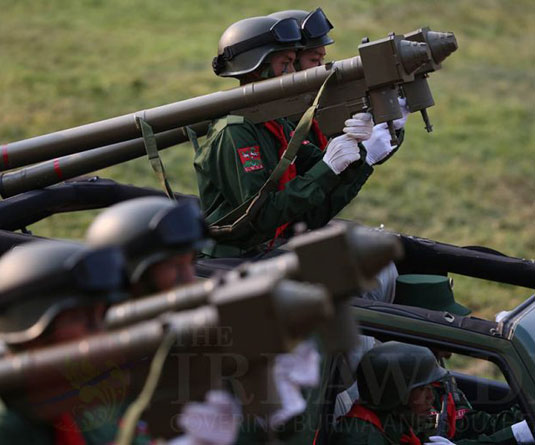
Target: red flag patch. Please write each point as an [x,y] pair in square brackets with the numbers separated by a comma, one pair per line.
[250,158]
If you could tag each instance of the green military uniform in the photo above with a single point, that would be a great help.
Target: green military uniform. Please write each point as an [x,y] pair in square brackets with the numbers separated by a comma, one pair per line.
[237,159]
[470,423]
[393,430]
[16,429]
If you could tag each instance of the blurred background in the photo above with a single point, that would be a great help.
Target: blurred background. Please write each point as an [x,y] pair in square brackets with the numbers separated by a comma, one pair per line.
[470,182]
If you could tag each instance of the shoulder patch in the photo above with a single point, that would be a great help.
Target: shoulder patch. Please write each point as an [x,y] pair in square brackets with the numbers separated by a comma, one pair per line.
[250,158]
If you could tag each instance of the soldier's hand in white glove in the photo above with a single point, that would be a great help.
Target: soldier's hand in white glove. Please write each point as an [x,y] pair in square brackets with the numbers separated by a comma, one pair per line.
[341,152]
[523,433]
[359,127]
[378,147]
[400,123]
[440,440]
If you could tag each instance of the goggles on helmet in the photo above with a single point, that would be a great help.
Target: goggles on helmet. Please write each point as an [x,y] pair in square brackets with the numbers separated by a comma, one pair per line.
[316,24]
[284,31]
[97,270]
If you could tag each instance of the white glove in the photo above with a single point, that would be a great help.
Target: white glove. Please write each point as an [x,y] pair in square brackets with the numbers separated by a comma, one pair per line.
[438,439]
[359,127]
[292,371]
[400,123]
[215,421]
[341,152]
[378,146]
[522,433]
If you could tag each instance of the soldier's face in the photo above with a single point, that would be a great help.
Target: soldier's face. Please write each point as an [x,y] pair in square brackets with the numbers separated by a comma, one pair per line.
[282,62]
[173,271]
[310,58]
[421,400]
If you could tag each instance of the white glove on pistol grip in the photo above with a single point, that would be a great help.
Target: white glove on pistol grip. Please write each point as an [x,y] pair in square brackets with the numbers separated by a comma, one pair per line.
[344,150]
[359,127]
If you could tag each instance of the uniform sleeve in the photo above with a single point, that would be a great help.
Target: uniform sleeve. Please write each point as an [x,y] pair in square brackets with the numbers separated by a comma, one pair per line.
[502,437]
[351,182]
[238,179]
[476,422]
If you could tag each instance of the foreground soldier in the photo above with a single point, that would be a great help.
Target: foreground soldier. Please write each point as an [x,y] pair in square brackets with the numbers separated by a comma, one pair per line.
[396,401]
[159,239]
[52,292]
[238,156]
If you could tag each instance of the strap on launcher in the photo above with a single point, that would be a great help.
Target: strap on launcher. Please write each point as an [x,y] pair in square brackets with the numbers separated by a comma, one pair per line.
[151,148]
[234,222]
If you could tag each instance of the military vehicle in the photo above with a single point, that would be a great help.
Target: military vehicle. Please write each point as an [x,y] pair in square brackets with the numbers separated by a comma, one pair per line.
[371,81]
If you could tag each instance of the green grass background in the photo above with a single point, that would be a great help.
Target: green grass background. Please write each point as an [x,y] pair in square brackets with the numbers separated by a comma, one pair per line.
[471,181]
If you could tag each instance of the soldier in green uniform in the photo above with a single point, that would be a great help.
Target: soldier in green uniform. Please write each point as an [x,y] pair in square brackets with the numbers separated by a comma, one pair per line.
[159,238]
[53,292]
[238,156]
[396,402]
[435,292]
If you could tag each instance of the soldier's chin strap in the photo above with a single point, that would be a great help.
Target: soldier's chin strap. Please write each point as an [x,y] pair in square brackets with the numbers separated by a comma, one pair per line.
[151,148]
[242,216]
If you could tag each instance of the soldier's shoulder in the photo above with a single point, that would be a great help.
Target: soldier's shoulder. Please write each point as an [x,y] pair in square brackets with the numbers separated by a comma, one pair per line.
[230,120]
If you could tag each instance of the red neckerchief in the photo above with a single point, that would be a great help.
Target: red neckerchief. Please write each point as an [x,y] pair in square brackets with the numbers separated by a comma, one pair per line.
[360,412]
[66,432]
[452,412]
[322,140]
[276,130]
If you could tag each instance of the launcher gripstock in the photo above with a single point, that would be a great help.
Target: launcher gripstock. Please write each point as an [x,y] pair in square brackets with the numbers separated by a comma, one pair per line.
[369,81]
[265,316]
[342,259]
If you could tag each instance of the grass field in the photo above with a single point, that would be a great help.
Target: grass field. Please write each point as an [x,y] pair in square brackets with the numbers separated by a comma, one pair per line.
[472,181]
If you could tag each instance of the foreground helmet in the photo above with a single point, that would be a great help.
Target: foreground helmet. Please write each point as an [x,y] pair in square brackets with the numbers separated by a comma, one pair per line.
[149,230]
[387,374]
[41,279]
[314,26]
[245,44]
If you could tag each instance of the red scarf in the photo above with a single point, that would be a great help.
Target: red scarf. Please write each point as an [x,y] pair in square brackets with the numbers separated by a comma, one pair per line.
[66,432]
[452,412]
[360,412]
[322,140]
[276,130]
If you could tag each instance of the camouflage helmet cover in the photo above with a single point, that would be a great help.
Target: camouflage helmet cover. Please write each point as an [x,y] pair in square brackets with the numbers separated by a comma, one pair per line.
[387,373]
[41,279]
[229,63]
[301,16]
[149,230]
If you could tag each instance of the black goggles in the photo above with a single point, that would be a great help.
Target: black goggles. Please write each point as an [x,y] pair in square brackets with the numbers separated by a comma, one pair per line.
[179,227]
[284,31]
[316,24]
[90,271]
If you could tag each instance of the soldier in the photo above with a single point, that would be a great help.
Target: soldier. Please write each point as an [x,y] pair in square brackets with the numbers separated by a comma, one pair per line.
[435,292]
[53,292]
[238,156]
[396,401]
[314,28]
[158,237]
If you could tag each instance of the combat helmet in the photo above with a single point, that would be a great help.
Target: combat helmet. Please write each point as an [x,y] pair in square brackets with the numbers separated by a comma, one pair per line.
[387,373]
[245,44]
[41,279]
[315,26]
[149,230]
